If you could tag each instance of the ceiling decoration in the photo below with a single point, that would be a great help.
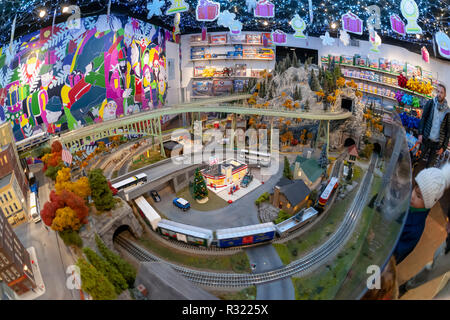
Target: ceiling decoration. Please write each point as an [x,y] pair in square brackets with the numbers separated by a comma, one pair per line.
[432,17]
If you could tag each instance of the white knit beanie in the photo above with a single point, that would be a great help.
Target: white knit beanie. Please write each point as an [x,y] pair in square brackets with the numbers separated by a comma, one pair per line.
[432,183]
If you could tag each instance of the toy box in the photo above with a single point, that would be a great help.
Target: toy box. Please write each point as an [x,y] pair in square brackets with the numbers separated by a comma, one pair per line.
[373,63]
[198,71]
[237,38]
[234,54]
[385,64]
[253,38]
[397,66]
[198,39]
[362,61]
[266,53]
[266,39]
[219,39]
[250,53]
[427,75]
[255,73]
[347,60]
[198,53]
[240,70]
[202,88]
[239,85]
[222,87]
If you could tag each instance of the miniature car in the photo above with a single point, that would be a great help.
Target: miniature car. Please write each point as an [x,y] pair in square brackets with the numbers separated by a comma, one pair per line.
[246,180]
[182,203]
[155,196]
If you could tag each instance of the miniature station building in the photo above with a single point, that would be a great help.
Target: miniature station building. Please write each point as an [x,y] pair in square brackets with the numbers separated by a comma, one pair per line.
[15,264]
[172,146]
[224,174]
[307,170]
[290,195]
[352,154]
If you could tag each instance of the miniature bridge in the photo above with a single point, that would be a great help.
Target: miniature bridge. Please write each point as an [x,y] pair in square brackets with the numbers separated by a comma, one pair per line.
[148,122]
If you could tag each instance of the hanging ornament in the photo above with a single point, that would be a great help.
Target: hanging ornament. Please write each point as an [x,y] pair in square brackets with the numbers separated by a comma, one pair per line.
[344,37]
[279,37]
[177,6]
[13,30]
[375,40]
[425,55]
[207,10]
[204,33]
[235,28]
[251,5]
[264,9]
[352,23]
[108,10]
[327,40]
[311,16]
[226,18]
[443,44]
[176,24]
[299,25]
[374,19]
[154,8]
[410,12]
[397,24]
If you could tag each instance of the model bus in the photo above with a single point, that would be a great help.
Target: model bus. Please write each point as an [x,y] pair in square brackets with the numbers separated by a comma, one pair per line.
[148,213]
[34,208]
[326,194]
[131,182]
[253,156]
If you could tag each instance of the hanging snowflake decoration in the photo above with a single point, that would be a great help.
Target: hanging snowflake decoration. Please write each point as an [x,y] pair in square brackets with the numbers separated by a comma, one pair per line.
[154,8]
[344,37]
[251,5]
[226,18]
[327,40]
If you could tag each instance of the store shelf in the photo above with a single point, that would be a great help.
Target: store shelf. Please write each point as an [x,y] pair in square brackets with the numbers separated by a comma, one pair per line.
[230,77]
[231,59]
[206,97]
[227,44]
[379,95]
[391,86]
[370,69]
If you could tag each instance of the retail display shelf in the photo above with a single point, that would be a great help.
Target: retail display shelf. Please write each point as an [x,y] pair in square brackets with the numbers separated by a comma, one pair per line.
[231,59]
[226,44]
[230,77]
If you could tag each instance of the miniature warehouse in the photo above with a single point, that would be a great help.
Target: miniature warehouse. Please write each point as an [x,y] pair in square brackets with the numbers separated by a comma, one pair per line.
[200,150]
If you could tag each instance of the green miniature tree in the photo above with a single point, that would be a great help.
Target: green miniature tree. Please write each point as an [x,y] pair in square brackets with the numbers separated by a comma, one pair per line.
[287,173]
[109,271]
[282,215]
[101,193]
[314,82]
[200,189]
[323,159]
[306,106]
[126,270]
[94,283]
[295,60]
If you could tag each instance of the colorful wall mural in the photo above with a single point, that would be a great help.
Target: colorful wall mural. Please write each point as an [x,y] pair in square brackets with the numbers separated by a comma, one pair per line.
[99,69]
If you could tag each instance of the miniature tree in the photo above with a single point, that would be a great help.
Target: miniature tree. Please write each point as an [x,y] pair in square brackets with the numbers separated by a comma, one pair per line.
[101,193]
[295,60]
[200,189]
[350,173]
[306,106]
[314,82]
[94,283]
[323,159]
[287,173]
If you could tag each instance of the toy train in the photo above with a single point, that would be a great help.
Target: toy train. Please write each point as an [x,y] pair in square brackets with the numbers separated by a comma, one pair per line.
[222,238]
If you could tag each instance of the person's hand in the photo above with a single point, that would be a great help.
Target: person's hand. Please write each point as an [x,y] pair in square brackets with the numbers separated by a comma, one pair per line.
[439,152]
[419,140]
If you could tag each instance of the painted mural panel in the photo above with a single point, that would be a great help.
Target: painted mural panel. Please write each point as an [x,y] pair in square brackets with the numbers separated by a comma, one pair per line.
[105,69]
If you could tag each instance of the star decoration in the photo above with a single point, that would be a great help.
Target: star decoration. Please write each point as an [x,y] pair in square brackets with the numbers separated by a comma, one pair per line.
[344,37]
[327,40]
[154,8]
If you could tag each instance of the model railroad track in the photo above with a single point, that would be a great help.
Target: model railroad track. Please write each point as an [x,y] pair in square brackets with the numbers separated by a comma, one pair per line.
[307,263]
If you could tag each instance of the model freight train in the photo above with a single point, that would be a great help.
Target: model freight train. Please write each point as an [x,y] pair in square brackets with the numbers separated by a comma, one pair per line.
[222,238]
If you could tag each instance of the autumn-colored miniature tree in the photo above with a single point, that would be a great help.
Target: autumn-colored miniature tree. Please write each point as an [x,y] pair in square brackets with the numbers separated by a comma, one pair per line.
[66,218]
[48,212]
[340,82]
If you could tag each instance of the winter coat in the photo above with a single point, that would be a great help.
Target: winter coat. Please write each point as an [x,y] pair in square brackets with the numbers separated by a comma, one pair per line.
[427,122]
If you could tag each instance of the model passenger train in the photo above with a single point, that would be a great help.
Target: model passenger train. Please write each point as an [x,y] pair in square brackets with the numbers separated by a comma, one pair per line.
[222,238]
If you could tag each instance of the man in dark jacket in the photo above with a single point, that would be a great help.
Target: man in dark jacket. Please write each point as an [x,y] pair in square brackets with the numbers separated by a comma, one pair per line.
[434,128]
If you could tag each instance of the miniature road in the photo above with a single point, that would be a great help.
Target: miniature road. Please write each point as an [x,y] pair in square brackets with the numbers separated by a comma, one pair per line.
[52,254]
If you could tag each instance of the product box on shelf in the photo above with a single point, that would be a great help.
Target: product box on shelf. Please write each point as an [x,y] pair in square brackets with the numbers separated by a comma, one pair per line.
[250,53]
[373,63]
[219,39]
[266,39]
[427,75]
[239,85]
[266,53]
[397,66]
[221,87]
[255,73]
[362,61]
[385,64]
[237,38]
[324,59]
[202,88]
[198,53]
[413,71]
[208,72]
[234,54]
[197,39]
[347,60]
[253,38]
[336,59]
[240,70]
[198,71]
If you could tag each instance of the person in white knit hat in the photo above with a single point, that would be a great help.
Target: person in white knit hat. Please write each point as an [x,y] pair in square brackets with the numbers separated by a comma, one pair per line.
[431,184]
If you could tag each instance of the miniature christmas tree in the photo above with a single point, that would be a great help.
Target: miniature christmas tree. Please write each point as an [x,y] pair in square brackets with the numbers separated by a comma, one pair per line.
[306,106]
[314,82]
[295,61]
[323,159]
[287,173]
[200,190]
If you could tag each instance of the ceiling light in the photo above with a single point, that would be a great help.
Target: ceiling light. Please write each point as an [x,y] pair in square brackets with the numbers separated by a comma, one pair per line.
[333,25]
[418,36]
[42,13]
[265,23]
[65,9]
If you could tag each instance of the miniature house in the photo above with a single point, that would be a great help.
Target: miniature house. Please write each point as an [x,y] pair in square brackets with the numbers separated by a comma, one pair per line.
[291,196]
[352,153]
[307,170]
[224,174]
